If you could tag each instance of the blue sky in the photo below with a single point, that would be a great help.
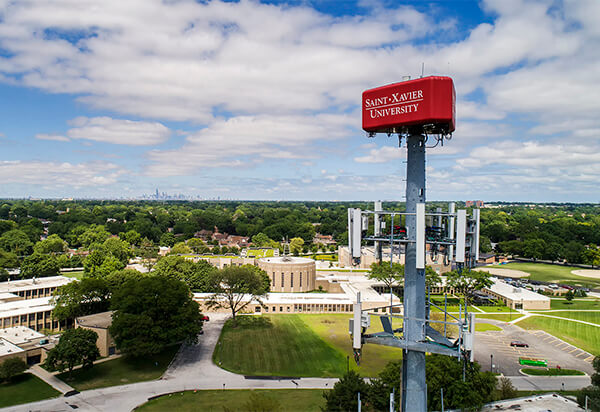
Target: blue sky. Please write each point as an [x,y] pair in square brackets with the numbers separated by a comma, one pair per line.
[251,100]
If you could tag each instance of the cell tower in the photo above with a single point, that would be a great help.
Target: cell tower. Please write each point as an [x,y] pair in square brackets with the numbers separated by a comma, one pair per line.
[419,112]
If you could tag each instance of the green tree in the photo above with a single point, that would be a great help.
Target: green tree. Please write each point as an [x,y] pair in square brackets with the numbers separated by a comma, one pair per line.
[12,367]
[167,239]
[93,234]
[16,241]
[8,260]
[195,244]
[467,281]
[88,296]
[151,313]
[432,278]
[261,240]
[569,296]
[235,287]
[39,265]
[387,274]
[132,237]
[195,275]
[592,392]
[344,395]
[52,244]
[180,248]
[506,390]
[75,347]
[296,245]
[93,261]
[446,372]
[118,248]
[388,381]
[117,278]
[109,264]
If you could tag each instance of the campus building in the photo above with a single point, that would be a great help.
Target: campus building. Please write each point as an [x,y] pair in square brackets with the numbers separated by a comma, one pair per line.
[28,303]
[99,323]
[516,297]
[24,343]
[290,273]
[34,288]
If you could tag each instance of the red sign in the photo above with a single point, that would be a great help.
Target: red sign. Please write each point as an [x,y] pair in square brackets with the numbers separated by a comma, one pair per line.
[413,103]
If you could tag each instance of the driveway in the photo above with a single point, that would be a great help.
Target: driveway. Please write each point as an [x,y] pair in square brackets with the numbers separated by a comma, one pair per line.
[541,345]
[192,368]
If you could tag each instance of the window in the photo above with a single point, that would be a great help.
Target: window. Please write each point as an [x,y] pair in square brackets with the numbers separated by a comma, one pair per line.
[292,280]
[274,309]
[282,279]
[281,308]
[273,279]
[257,309]
[300,279]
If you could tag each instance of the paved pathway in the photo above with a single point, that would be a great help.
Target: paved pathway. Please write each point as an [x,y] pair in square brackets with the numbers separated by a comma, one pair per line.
[193,369]
[50,379]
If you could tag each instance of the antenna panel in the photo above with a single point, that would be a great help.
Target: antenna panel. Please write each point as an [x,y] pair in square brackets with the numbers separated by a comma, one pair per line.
[461,235]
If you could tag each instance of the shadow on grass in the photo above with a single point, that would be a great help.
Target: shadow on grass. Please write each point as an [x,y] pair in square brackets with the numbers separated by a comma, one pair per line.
[250,322]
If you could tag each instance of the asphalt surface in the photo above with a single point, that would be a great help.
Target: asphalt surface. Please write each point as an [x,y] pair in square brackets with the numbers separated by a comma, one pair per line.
[541,345]
[193,368]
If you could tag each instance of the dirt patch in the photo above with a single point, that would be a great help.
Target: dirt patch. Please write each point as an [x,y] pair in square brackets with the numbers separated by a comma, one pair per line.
[588,273]
[512,273]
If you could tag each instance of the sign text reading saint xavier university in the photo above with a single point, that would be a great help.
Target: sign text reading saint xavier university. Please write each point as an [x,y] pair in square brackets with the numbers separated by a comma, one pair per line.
[425,101]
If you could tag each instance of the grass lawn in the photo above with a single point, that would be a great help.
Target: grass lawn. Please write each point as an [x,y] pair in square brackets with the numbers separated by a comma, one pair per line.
[575,304]
[280,345]
[331,258]
[551,273]
[260,253]
[551,372]
[75,275]
[583,336]
[300,400]
[592,317]
[483,327]
[333,329]
[298,345]
[120,371]
[25,388]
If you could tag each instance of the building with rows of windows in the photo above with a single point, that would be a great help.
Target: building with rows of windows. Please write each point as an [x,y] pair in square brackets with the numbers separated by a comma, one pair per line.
[289,273]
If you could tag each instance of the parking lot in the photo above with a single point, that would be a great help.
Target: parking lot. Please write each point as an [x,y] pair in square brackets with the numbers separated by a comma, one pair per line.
[541,345]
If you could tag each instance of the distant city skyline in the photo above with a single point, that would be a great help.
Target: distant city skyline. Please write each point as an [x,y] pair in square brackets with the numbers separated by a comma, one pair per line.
[261,100]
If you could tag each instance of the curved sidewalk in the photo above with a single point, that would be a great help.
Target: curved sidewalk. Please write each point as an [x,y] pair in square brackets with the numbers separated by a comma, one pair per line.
[192,369]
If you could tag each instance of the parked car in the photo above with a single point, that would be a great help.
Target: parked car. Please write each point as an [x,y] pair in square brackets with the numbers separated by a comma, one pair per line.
[519,344]
[205,318]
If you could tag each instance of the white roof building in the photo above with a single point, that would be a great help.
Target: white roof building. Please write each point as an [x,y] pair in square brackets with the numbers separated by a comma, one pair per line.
[516,297]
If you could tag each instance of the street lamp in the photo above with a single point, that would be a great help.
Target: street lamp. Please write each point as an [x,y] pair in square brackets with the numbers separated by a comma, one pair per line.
[492,362]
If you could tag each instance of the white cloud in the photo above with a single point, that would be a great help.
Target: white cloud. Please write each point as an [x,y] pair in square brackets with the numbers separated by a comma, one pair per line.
[246,140]
[54,137]
[58,175]
[118,131]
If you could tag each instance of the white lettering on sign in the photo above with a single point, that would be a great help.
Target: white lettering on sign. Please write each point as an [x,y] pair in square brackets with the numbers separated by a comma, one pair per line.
[392,111]
[394,104]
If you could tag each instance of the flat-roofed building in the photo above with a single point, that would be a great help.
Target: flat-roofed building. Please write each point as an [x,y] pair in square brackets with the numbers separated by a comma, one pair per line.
[34,288]
[32,346]
[516,297]
[32,313]
[8,297]
[99,323]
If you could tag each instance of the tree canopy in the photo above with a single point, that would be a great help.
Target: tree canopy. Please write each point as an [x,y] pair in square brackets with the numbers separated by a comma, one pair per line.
[75,347]
[151,313]
[234,287]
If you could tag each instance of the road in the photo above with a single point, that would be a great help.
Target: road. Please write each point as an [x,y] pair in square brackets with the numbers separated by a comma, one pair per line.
[193,369]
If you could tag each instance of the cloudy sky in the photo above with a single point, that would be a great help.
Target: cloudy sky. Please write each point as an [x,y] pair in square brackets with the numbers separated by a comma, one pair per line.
[251,100]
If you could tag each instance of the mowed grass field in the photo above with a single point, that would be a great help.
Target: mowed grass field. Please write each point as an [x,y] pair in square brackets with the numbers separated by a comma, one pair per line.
[297,345]
[298,400]
[592,317]
[121,371]
[25,388]
[575,304]
[583,336]
[551,273]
